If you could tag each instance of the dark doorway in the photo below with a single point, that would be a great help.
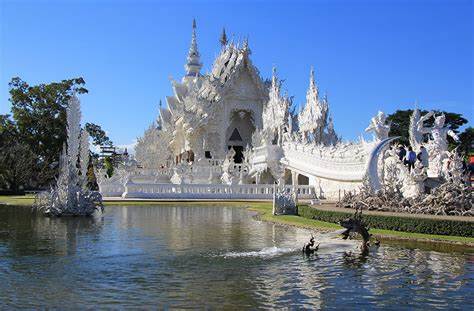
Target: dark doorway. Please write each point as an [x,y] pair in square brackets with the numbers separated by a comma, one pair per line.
[303,180]
[239,153]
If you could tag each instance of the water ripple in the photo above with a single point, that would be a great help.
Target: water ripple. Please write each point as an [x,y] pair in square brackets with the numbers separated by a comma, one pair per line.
[218,258]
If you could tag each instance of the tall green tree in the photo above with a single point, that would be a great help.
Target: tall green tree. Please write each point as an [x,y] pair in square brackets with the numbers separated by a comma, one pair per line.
[401,123]
[39,112]
[39,123]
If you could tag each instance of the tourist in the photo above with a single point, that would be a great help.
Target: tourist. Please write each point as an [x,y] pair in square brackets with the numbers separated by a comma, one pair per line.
[401,152]
[410,158]
[423,157]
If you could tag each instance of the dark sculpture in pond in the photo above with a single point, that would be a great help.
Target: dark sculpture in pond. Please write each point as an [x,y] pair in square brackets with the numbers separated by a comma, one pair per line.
[308,249]
[356,225]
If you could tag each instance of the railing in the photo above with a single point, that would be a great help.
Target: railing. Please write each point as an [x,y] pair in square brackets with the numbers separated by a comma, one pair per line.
[194,191]
[111,189]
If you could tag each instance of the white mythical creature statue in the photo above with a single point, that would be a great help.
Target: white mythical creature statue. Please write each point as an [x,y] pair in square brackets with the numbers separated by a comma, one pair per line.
[229,174]
[392,170]
[453,168]
[413,182]
[437,146]
[414,133]
[379,126]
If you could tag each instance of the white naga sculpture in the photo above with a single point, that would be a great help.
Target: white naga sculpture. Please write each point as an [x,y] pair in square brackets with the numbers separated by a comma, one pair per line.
[71,196]
[379,126]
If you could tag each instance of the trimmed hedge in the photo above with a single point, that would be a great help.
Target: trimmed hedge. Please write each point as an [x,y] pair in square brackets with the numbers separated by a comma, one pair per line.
[405,224]
[12,192]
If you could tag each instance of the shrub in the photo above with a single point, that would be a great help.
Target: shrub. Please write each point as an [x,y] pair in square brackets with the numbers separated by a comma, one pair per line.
[397,223]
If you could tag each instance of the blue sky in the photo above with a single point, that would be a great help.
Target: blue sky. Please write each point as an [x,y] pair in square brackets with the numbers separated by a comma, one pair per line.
[368,55]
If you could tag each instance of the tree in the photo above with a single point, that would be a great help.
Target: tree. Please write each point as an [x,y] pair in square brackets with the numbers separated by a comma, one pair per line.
[39,122]
[467,141]
[98,135]
[39,113]
[109,166]
[16,158]
[400,120]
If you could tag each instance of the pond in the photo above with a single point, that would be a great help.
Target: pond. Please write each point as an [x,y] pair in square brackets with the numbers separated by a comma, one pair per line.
[200,256]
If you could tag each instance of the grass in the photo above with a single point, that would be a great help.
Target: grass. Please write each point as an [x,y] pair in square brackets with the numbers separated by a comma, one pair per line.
[22,200]
[264,209]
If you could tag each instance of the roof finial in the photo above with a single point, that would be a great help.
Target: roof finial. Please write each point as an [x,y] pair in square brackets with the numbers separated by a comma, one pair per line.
[159,124]
[274,75]
[193,66]
[223,38]
[312,84]
[311,77]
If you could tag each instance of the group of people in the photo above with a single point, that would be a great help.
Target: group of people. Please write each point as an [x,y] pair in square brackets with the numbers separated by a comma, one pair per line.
[409,157]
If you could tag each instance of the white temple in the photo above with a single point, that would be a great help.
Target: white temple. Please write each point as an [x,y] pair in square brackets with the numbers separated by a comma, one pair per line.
[230,134]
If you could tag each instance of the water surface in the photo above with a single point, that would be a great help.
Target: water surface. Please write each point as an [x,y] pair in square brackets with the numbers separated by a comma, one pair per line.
[216,257]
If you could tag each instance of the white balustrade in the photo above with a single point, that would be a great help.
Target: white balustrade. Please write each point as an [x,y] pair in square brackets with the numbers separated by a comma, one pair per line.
[111,189]
[197,191]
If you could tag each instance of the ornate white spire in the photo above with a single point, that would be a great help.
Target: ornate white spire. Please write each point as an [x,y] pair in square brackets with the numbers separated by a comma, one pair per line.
[193,66]
[313,87]
[223,38]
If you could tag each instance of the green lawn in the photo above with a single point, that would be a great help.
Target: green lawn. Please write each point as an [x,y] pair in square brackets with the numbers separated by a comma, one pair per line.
[17,199]
[265,211]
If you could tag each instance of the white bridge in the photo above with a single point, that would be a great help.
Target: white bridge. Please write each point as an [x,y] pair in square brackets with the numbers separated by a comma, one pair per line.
[310,171]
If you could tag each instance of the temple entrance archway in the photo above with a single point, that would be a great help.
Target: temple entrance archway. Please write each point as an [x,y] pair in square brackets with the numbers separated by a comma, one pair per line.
[239,132]
[239,153]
